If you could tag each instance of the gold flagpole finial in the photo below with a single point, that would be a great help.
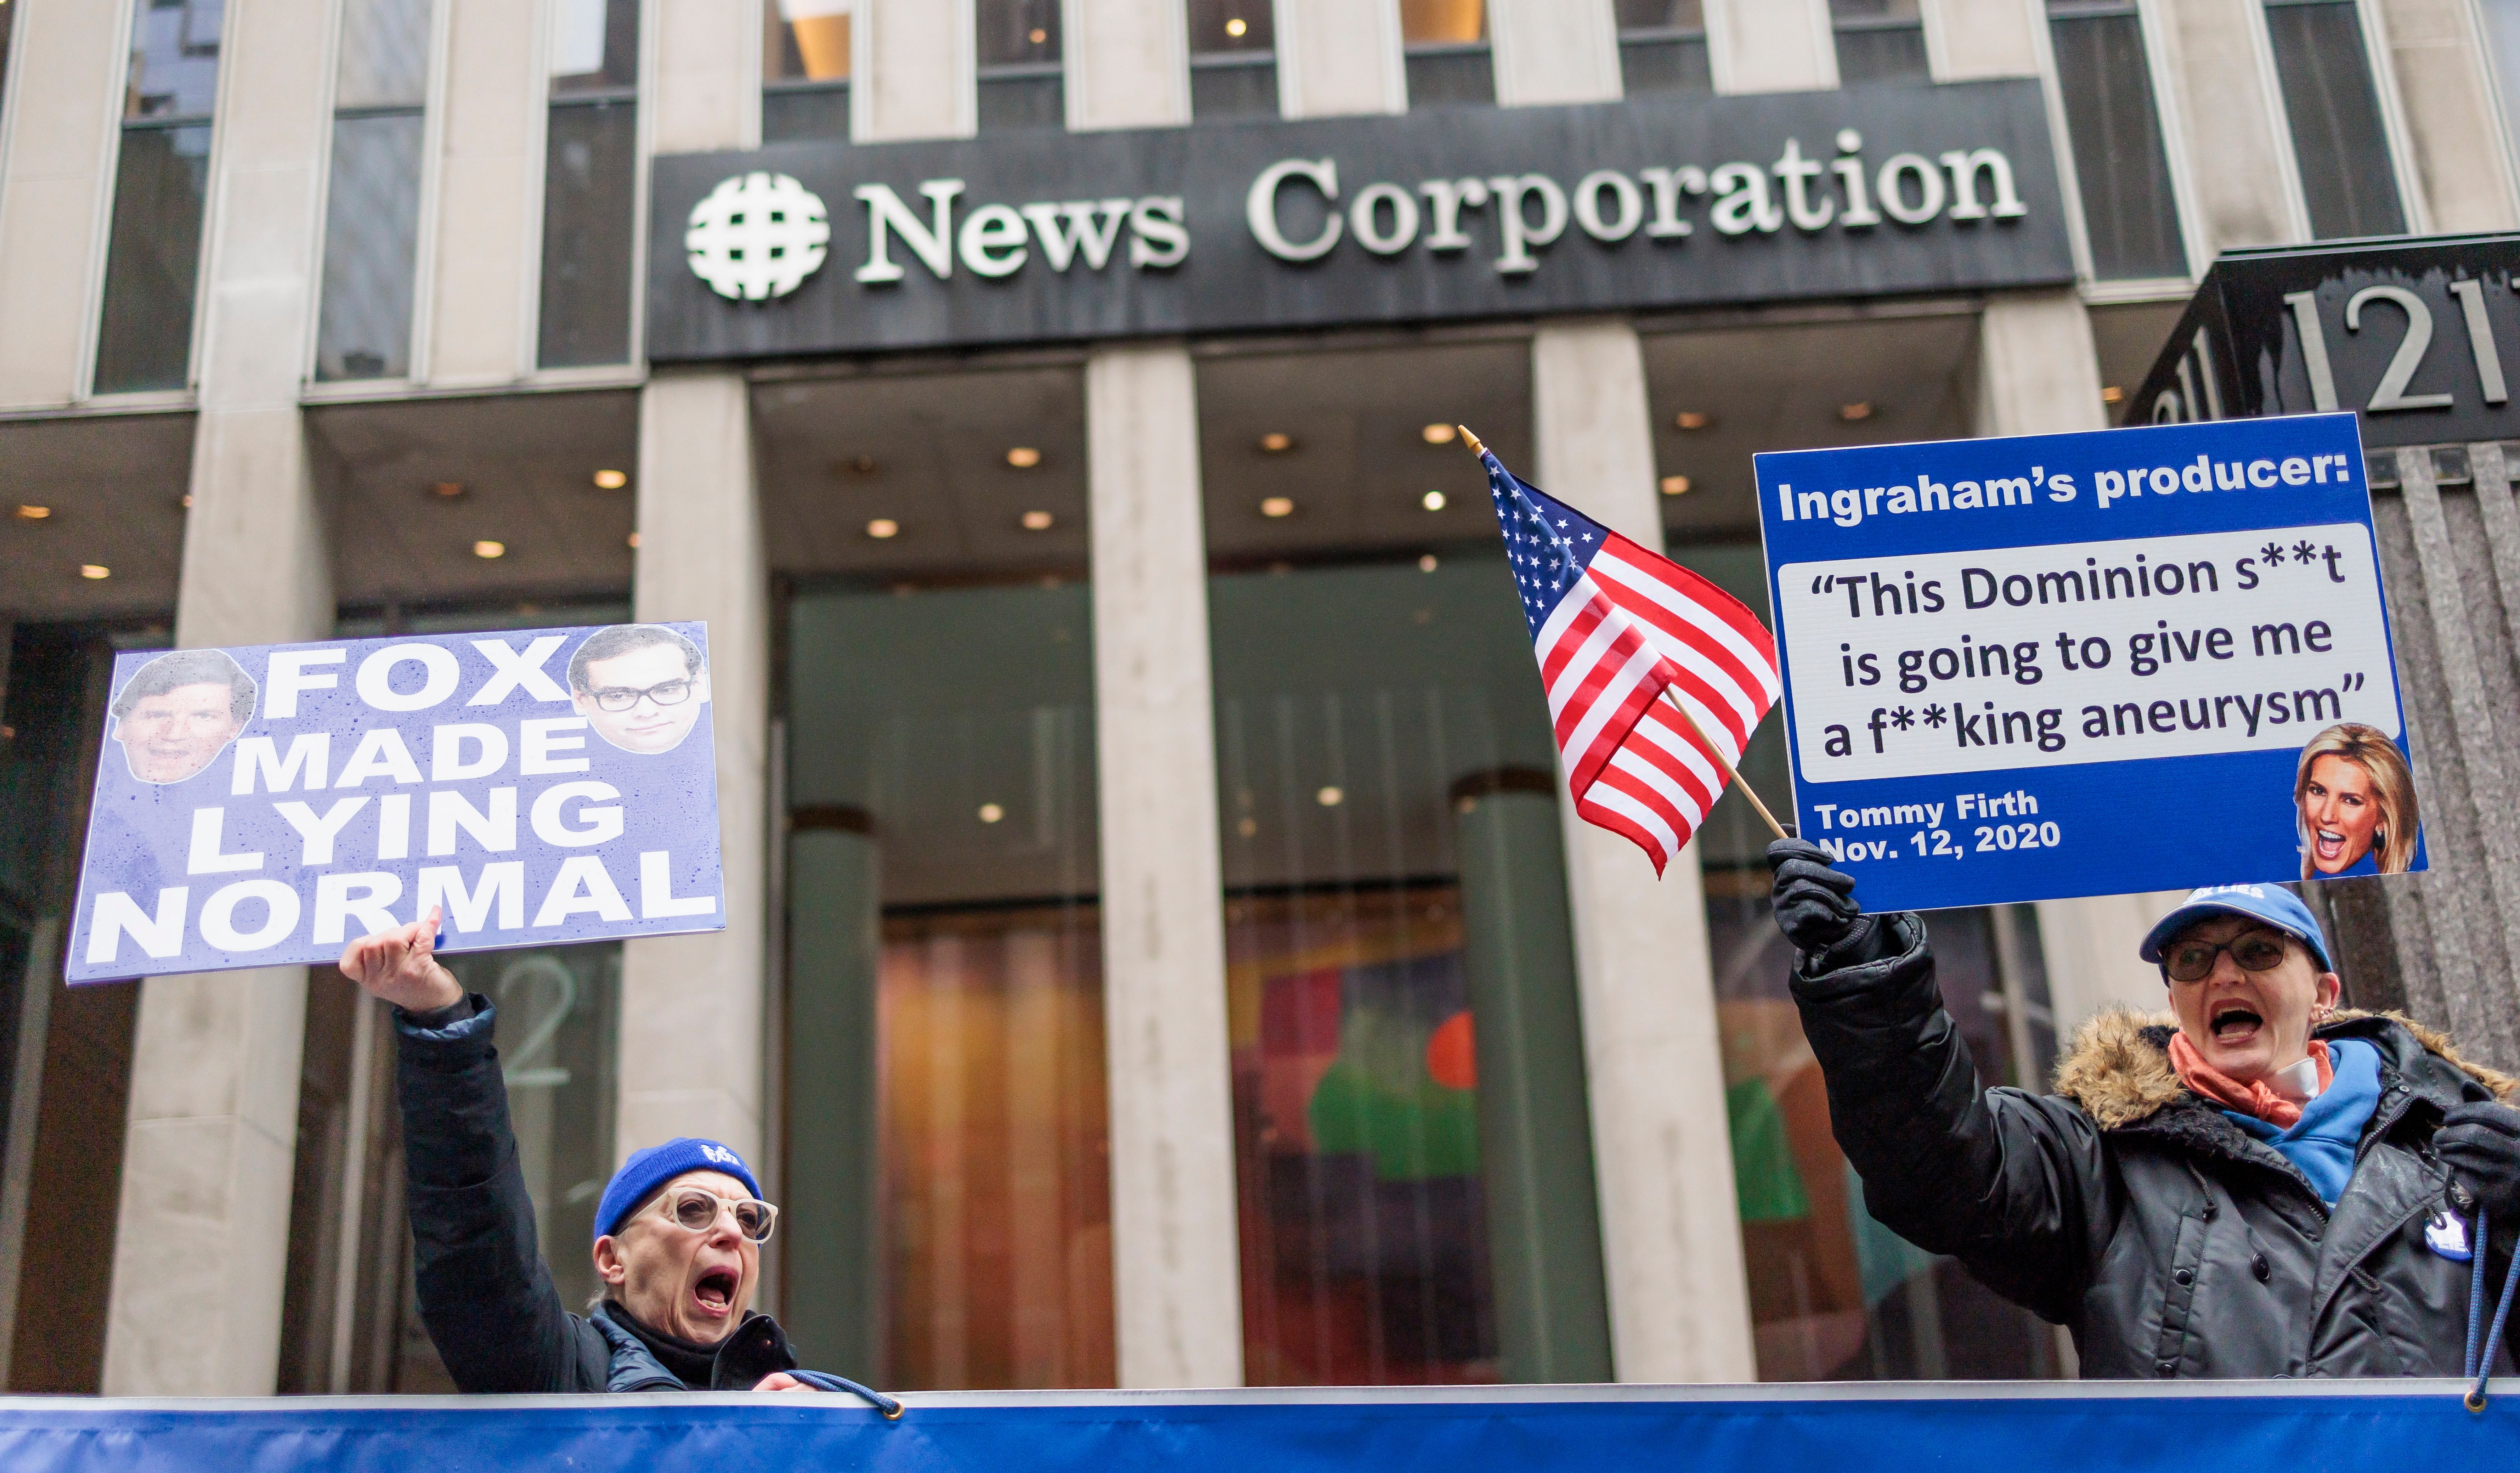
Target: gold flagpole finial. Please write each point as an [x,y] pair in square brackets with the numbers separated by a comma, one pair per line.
[1471,440]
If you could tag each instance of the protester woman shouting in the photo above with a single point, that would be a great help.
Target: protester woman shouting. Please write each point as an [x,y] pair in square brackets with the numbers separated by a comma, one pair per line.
[2255,1184]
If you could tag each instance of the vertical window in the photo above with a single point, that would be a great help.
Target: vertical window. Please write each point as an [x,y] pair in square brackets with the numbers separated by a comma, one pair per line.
[804,70]
[1662,47]
[1412,1146]
[1232,59]
[8,22]
[590,183]
[1022,83]
[1445,44]
[2339,137]
[2129,210]
[153,262]
[1879,41]
[372,211]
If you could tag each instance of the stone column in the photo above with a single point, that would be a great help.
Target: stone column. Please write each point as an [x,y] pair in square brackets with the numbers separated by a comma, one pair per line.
[1969,40]
[482,262]
[2038,374]
[1671,1235]
[914,70]
[201,1247]
[62,106]
[693,1007]
[1555,51]
[1770,46]
[1337,57]
[2437,53]
[2232,130]
[1176,1297]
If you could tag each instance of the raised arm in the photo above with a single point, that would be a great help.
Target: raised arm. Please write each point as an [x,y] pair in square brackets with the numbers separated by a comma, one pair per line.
[484,1293]
[2011,1183]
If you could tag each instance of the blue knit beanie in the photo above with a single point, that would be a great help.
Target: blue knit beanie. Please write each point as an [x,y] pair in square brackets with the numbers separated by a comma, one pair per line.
[647,1169]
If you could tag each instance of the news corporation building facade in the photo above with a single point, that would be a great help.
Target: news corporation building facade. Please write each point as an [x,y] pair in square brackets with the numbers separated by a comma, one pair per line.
[1133,772]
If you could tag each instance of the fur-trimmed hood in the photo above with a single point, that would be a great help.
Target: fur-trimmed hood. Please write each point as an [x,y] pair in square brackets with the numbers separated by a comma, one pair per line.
[2119,1067]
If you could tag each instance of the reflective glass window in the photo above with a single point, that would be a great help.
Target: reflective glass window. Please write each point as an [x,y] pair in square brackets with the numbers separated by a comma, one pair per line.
[804,70]
[2129,210]
[1662,47]
[2502,44]
[1021,79]
[945,1158]
[161,177]
[1879,41]
[8,24]
[590,183]
[1232,59]
[2339,137]
[1412,1137]
[372,208]
[1445,48]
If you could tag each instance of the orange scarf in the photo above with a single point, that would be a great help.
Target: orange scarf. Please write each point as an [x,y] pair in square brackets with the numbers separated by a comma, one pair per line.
[2255,1098]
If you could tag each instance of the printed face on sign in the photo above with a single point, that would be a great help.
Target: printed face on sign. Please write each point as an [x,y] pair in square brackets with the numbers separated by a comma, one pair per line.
[180,711]
[642,687]
[2356,802]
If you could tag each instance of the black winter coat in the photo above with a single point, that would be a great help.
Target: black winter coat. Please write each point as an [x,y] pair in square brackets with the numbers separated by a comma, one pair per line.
[484,1293]
[2167,1240]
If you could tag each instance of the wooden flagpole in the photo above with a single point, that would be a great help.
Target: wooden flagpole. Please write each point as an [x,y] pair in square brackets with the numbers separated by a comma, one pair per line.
[1731,776]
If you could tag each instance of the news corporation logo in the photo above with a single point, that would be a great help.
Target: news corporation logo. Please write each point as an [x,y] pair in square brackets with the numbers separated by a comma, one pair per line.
[757,236]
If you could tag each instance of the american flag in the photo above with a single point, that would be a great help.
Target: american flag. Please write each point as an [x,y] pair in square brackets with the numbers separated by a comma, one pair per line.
[1621,634]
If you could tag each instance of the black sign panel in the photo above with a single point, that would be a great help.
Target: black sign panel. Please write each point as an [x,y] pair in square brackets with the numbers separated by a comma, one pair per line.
[2412,336]
[1438,215]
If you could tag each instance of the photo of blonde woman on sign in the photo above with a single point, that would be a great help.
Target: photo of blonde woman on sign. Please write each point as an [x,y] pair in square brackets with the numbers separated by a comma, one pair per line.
[2355,800]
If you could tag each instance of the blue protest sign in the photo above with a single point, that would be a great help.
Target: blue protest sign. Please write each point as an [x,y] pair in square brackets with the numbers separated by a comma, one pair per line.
[2089,664]
[264,805]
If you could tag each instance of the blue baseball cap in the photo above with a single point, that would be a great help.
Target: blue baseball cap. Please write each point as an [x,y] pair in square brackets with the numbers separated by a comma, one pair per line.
[2274,904]
[647,1169]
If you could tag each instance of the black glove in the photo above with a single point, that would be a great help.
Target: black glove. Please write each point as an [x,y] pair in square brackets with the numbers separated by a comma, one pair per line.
[1815,904]
[2480,1142]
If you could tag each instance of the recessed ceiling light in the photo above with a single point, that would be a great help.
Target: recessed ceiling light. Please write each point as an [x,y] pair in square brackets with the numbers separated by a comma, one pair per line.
[1675,485]
[1235,28]
[1427,563]
[864,464]
[1276,506]
[1432,501]
[1437,434]
[1693,418]
[1246,827]
[1023,457]
[95,570]
[1276,442]
[882,527]
[447,489]
[488,549]
[1037,522]
[187,502]
[2112,394]
[990,813]
[1861,409]
[33,514]
[1329,797]
[611,480]
[633,539]
[1040,36]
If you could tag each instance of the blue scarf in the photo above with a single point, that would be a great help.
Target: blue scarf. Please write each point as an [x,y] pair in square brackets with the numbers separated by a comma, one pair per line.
[2321,1142]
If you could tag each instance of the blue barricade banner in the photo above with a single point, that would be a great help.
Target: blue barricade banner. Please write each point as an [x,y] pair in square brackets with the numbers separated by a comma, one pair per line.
[263,805]
[1928,1428]
[2089,664]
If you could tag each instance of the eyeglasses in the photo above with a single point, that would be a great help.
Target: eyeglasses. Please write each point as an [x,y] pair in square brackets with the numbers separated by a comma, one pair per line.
[2255,950]
[672,693]
[696,1209]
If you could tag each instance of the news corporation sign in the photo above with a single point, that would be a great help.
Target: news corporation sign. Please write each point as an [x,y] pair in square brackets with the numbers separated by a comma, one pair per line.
[1446,213]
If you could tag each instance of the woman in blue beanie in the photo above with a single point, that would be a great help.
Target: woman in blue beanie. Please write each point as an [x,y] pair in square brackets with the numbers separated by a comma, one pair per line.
[678,1233]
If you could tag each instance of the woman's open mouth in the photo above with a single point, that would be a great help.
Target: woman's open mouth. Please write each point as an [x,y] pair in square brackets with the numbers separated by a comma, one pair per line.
[2234,1023]
[2330,843]
[715,1292]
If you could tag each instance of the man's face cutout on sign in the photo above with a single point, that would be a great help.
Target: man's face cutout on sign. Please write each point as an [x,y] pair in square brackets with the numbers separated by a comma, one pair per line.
[642,687]
[179,712]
